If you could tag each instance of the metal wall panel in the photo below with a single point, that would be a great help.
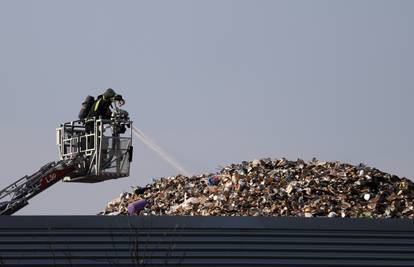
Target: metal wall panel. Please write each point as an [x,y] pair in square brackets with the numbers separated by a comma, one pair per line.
[197,241]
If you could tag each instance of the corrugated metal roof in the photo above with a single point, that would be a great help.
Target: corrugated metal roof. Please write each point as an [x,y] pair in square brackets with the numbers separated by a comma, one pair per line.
[195,241]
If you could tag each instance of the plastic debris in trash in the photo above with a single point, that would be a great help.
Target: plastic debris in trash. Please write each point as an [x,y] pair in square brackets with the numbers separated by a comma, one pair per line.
[137,206]
[213,180]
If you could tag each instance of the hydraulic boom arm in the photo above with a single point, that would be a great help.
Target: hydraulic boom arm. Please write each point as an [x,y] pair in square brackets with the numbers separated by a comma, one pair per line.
[16,196]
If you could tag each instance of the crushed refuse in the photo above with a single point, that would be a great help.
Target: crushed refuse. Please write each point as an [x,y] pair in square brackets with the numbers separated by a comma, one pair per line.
[277,187]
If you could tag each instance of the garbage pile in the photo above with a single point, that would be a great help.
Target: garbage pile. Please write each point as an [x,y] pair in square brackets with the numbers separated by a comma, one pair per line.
[275,188]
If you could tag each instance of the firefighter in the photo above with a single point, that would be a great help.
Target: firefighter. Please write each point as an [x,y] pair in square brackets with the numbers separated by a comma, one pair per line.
[101,108]
[103,103]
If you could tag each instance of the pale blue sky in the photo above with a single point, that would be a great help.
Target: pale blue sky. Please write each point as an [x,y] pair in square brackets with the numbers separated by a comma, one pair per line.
[213,82]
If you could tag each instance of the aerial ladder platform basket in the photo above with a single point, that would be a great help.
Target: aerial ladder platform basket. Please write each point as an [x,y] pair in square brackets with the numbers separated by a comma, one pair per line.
[90,151]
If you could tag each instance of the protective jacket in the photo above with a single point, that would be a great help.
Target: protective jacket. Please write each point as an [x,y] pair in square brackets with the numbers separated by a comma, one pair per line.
[101,108]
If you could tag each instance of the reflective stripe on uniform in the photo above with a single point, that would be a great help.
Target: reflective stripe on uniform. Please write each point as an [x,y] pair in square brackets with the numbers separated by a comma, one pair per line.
[97,105]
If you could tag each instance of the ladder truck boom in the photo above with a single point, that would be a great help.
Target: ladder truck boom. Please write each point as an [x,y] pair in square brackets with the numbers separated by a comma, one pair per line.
[90,151]
[16,196]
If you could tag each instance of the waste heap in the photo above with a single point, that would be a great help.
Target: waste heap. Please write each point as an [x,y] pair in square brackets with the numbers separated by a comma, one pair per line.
[275,188]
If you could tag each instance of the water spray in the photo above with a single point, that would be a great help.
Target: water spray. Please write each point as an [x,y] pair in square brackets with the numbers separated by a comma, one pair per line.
[161,152]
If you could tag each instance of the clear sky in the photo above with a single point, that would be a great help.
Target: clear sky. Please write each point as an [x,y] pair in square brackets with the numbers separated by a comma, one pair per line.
[213,82]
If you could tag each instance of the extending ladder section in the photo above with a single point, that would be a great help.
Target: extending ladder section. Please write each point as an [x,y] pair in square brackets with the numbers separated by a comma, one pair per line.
[16,196]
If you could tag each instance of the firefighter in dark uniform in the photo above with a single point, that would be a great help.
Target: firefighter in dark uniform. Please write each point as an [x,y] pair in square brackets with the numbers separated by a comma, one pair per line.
[103,103]
[101,109]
